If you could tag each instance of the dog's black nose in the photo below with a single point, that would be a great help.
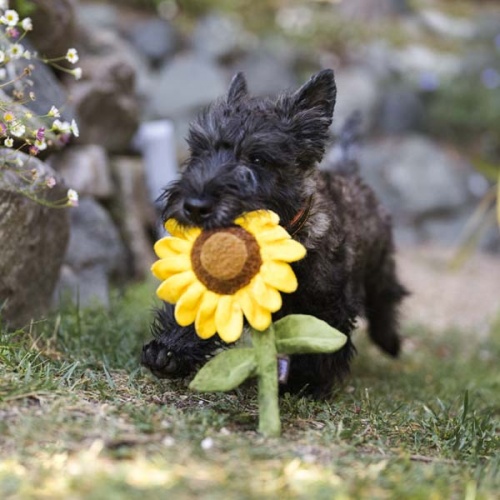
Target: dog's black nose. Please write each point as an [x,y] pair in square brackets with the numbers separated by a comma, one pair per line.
[198,209]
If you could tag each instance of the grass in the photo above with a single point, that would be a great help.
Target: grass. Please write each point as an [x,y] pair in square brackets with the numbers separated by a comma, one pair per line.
[80,419]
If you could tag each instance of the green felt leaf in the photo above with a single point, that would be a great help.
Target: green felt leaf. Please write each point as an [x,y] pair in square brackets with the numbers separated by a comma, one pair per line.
[226,371]
[300,333]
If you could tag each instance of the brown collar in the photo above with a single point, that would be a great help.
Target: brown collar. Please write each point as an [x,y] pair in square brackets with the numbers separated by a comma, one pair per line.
[300,218]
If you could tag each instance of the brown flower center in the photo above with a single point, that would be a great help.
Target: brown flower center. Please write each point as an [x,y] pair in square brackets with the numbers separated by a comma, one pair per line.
[226,260]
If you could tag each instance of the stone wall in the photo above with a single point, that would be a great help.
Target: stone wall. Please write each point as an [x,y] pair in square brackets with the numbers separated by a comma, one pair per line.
[140,69]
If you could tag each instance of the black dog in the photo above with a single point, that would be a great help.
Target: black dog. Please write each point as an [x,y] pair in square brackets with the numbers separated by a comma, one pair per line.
[253,153]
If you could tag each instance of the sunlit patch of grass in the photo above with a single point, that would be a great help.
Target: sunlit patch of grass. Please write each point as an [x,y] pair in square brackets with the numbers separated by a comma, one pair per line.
[80,418]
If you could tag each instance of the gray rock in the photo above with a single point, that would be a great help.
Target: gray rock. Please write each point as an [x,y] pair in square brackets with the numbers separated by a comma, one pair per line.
[416,177]
[85,169]
[187,83]
[107,116]
[487,25]
[138,217]
[34,238]
[357,90]
[145,85]
[401,111]
[447,26]
[95,252]
[153,38]
[54,26]
[417,65]
[98,15]
[105,101]
[267,72]
[416,60]
[156,142]
[88,287]
[218,36]
[181,131]
[372,10]
[445,229]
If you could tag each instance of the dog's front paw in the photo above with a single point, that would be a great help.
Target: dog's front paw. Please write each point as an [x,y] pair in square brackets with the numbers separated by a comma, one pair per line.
[160,360]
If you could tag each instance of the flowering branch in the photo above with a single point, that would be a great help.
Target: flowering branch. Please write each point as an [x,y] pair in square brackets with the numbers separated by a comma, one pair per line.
[19,129]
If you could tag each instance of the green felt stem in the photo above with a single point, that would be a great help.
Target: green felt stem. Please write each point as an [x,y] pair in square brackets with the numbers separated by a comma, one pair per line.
[267,368]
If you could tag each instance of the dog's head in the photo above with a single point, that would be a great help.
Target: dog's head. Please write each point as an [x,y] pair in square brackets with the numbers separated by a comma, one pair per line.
[251,153]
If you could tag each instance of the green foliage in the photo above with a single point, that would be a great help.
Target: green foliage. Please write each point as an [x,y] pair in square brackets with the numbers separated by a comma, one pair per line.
[293,334]
[80,419]
[463,110]
[296,333]
[299,333]
[25,8]
[226,371]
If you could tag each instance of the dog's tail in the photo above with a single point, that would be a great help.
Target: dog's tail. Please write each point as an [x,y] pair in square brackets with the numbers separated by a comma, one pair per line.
[343,157]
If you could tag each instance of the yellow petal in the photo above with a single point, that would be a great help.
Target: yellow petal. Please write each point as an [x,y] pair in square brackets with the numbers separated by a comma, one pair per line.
[258,317]
[258,221]
[279,275]
[170,245]
[164,268]
[174,228]
[172,288]
[266,296]
[186,233]
[286,250]
[205,318]
[276,233]
[187,306]
[229,319]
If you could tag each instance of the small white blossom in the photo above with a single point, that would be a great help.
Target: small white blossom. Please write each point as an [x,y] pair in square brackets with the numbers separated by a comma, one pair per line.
[168,441]
[54,112]
[27,54]
[16,51]
[27,24]
[72,198]
[4,4]
[51,182]
[77,73]
[10,17]
[74,128]
[2,56]
[41,145]
[207,443]
[60,127]
[72,56]
[9,142]
[18,130]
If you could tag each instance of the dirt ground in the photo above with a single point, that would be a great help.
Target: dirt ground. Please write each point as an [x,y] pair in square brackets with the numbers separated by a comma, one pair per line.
[467,298]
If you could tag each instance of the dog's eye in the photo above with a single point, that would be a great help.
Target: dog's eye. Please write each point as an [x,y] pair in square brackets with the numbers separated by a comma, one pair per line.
[256,159]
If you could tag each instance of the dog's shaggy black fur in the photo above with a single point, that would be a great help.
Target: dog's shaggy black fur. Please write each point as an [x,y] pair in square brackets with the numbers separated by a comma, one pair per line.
[252,153]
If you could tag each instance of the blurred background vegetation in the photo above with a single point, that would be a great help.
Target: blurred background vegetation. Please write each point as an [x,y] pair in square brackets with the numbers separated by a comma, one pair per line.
[464,109]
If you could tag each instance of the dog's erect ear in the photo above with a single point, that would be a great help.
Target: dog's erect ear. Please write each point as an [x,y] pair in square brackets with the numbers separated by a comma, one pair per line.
[237,88]
[319,92]
[309,113]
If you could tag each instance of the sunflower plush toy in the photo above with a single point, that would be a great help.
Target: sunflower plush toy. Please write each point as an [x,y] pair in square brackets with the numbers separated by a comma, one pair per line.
[220,276]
